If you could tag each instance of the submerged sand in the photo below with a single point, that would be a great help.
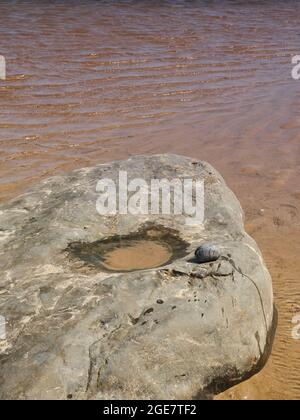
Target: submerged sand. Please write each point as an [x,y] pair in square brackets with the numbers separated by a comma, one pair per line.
[139,255]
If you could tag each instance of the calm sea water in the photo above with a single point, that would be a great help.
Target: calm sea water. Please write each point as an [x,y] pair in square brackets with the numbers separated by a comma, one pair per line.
[90,81]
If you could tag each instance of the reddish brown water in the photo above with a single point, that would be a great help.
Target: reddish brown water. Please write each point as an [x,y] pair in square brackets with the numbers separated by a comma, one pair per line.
[93,81]
[139,255]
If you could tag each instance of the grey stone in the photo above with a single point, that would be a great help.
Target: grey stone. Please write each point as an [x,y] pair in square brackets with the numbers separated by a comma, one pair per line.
[184,330]
[207,253]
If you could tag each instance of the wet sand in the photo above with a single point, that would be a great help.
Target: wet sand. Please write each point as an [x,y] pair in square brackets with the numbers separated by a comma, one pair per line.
[89,82]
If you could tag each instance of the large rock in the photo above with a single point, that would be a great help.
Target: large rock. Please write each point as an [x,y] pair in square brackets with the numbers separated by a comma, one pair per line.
[183,330]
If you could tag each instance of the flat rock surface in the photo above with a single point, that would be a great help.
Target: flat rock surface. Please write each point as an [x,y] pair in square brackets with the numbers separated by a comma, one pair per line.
[73,330]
